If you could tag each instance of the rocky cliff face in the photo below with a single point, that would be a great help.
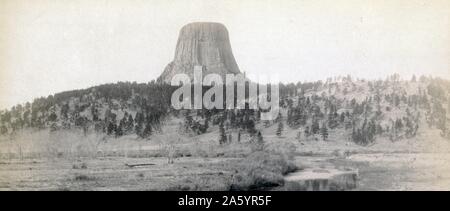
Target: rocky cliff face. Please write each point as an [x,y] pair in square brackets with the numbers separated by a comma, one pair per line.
[204,44]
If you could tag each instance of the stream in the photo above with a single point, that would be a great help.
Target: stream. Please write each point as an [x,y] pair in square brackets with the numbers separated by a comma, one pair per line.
[371,171]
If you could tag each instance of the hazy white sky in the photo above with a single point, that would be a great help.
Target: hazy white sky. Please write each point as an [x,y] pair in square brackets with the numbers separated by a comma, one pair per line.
[51,46]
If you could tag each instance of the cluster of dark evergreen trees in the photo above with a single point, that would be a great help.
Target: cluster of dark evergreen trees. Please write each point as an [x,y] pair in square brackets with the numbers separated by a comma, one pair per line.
[228,120]
[316,115]
[96,109]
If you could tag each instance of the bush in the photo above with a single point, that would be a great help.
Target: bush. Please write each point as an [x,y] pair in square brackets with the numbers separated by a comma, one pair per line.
[262,170]
[79,166]
[82,177]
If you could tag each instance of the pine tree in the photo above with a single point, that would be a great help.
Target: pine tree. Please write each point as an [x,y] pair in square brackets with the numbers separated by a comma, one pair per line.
[371,131]
[202,128]
[324,132]
[354,136]
[379,129]
[122,127]
[139,128]
[94,113]
[409,128]
[65,111]
[147,130]
[280,128]
[188,122]
[260,138]
[299,135]
[279,117]
[307,131]
[251,127]
[222,136]
[180,129]
[129,124]
[315,127]
[239,136]
[3,130]
[119,129]
[52,117]
[342,118]
[111,128]
[232,116]
[206,125]
[448,104]
[398,124]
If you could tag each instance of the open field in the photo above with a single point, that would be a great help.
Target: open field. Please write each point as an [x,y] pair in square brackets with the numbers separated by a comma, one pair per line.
[67,161]
[395,171]
[111,174]
[60,162]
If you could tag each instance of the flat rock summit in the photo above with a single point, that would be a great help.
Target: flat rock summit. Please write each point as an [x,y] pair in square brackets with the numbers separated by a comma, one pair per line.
[203,44]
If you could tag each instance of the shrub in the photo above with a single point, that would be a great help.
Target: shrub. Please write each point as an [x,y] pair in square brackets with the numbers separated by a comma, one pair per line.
[262,170]
[79,166]
[82,177]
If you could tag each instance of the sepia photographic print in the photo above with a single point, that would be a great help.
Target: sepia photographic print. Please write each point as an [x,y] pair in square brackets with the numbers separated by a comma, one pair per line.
[249,95]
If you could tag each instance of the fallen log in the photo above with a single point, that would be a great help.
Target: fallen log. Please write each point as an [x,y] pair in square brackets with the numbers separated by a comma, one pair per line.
[139,164]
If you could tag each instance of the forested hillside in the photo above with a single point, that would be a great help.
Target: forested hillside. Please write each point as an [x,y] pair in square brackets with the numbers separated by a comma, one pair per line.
[365,109]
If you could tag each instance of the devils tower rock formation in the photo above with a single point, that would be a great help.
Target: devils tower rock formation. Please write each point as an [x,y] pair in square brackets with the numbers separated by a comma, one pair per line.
[202,44]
